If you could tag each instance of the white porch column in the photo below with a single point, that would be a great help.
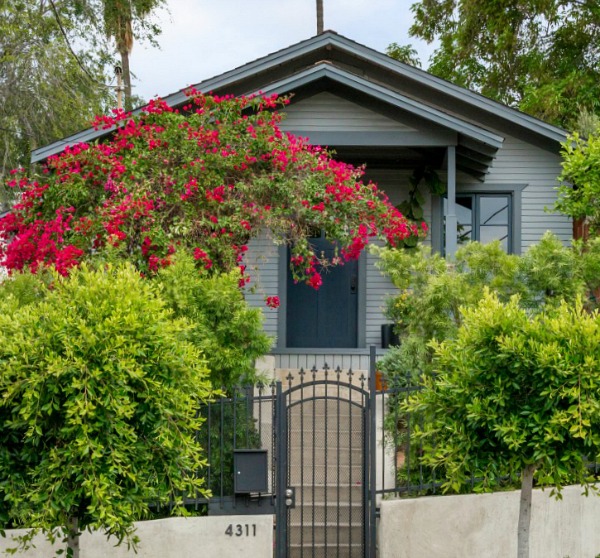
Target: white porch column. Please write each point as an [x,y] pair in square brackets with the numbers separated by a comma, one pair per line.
[451,220]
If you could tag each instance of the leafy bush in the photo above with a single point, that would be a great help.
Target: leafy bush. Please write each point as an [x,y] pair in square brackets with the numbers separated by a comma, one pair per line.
[227,331]
[100,389]
[433,290]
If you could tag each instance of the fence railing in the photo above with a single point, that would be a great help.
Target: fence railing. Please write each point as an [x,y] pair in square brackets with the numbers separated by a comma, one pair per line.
[240,422]
[246,420]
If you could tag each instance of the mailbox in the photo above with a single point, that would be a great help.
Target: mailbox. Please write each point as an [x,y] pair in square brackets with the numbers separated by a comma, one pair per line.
[250,468]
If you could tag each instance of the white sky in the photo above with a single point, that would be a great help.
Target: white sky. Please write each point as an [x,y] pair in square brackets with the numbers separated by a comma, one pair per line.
[204,38]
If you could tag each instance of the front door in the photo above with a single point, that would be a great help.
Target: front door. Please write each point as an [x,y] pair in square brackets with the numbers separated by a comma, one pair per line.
[327,317]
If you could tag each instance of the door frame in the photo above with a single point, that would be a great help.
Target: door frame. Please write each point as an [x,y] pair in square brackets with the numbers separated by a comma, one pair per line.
[361,334]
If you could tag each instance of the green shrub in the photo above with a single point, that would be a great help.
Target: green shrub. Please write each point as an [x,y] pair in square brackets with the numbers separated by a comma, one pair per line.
[100,387]
[227,331]
[433,290]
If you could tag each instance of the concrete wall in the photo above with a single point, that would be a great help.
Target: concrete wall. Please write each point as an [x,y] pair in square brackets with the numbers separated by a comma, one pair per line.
[191,537]
[485,526]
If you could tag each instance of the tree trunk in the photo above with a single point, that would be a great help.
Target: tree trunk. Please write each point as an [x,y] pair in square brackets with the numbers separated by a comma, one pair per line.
[319,17]
[525,512]
[73,537]
[126,79]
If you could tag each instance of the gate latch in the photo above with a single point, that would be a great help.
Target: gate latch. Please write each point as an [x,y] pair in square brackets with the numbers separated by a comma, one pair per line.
[290,497]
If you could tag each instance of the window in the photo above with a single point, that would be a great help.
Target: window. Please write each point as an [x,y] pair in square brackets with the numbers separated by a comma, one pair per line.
[484,212]
[485,217]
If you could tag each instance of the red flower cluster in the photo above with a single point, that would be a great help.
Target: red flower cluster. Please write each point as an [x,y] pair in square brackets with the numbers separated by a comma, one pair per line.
[39,244]
[206,180]
[272,302]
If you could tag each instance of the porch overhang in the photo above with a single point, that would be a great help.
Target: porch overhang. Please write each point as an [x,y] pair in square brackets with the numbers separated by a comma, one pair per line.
[476,147]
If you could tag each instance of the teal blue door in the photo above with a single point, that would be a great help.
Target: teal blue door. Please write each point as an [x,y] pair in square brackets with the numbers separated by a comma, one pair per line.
[327,317]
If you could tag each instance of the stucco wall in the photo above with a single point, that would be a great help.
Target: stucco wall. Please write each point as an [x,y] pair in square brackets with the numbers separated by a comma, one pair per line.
[485,526]
[251,536]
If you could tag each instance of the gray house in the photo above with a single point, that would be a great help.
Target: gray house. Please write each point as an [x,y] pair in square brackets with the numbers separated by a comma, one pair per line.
[499,166]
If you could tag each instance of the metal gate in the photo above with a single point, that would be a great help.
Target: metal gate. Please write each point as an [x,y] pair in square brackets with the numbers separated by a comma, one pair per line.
[323,434]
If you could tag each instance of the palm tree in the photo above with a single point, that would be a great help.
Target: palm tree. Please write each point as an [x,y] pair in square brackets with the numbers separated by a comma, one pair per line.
[119,18]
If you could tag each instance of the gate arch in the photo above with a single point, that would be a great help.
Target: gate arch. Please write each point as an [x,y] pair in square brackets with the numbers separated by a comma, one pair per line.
[325,441]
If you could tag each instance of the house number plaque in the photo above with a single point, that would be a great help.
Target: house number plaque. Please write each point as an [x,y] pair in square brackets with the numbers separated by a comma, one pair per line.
[241,530]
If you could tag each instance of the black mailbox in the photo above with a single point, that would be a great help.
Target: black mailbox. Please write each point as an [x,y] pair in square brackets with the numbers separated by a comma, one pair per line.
[250,467]
[388,336]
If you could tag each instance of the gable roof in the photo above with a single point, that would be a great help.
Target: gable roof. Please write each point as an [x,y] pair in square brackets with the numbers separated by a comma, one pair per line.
[329,56]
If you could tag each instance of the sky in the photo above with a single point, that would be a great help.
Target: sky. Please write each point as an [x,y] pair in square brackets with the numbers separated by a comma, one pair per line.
[204,38]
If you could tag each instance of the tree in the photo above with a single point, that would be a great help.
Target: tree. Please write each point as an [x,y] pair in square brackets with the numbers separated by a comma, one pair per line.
[125,20]
[205,182]
[47,90]
[404,53]
[100,390]
[541,57]
[514,395]
[579,195]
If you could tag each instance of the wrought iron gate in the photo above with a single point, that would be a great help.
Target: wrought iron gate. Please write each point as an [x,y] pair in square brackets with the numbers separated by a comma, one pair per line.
[323,503]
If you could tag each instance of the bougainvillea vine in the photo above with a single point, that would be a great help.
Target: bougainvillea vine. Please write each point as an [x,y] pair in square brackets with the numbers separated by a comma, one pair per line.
[206,178]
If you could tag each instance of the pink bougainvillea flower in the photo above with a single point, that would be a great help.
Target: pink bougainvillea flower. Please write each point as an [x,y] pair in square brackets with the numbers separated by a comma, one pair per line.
[204,180]
[272,302]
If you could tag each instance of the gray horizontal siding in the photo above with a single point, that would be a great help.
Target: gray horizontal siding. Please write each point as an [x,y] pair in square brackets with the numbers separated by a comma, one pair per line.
[519,162]
[262,263]
[325,111]
[379,288]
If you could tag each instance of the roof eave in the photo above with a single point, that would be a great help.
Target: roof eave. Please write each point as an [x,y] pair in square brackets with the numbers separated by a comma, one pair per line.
[398,100]
[331,39]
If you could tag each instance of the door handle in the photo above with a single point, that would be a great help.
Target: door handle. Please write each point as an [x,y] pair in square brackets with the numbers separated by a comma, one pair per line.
[354,284]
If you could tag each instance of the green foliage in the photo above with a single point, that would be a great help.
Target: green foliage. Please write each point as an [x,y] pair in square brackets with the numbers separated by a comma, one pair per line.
[538,56]
[580,198]
[100,389]
[412,207]
[404,53]
[433,290]
[513,390]
[224,328]
[45,92]
[587,123]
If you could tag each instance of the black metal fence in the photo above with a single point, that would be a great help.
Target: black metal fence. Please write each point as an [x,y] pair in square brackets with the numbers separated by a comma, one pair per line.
[240,424]
[399,471]
[245,419]
[238,435]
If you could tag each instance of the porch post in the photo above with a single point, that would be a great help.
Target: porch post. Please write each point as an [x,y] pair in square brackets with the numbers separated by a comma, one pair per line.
[451,220]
